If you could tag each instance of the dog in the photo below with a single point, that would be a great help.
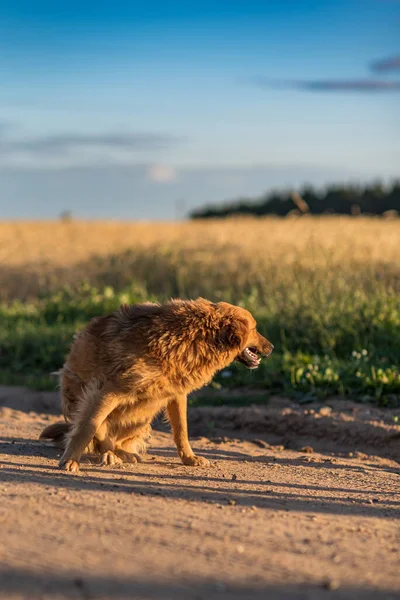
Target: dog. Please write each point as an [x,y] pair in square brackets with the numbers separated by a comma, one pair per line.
[125,368]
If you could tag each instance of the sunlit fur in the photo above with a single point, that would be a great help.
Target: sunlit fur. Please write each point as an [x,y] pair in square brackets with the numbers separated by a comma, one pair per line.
[126,367]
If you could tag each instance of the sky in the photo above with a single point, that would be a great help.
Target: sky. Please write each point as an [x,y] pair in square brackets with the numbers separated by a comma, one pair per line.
[145,110]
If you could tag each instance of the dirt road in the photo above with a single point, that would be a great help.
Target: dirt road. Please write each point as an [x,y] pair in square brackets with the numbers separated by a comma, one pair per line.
[299,502]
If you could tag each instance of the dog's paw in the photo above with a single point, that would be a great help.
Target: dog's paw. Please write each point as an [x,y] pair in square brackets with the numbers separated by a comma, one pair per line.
[109,458]
[69,465]
[128,457]
[195,461]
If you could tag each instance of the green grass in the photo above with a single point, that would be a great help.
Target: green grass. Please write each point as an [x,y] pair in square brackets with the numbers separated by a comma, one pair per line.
[340,339]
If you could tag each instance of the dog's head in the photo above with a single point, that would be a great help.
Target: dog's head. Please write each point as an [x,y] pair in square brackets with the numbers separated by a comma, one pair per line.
[238,333]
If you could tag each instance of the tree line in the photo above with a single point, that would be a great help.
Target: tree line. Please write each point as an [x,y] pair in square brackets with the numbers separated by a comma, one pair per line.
[370,199]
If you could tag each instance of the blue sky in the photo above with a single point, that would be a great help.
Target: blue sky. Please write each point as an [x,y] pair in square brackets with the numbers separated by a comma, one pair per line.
[120,110]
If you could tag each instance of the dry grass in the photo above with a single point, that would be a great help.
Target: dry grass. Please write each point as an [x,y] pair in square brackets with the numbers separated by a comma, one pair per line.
[325,290]
[213,258]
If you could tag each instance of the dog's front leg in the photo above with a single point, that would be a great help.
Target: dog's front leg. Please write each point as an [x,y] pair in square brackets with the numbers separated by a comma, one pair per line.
[177,413]
[95,408]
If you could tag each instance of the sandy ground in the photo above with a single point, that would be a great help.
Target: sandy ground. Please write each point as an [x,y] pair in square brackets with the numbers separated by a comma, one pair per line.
[299,502]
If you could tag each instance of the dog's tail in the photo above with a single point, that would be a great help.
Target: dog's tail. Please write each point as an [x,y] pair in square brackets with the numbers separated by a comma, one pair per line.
[56,433]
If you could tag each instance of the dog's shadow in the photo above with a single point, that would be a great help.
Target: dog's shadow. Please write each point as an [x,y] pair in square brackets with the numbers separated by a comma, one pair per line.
[198,485]
[241,495]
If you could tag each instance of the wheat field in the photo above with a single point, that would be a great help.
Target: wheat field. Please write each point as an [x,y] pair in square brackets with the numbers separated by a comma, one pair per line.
[324,290]
[217,258]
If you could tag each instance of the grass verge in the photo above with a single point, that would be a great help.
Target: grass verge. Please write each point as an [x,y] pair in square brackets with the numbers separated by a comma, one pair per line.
[327,343]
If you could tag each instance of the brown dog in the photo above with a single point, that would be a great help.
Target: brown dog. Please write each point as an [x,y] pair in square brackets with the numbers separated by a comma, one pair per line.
[126,367]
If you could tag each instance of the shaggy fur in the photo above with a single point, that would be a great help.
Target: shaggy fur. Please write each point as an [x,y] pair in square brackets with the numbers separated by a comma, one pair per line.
[126,367]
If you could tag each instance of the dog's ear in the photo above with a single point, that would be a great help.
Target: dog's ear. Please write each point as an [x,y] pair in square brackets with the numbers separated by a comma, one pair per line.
[234,334]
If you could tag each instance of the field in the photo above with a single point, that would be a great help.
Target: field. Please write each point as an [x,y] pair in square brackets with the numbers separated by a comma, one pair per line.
[325,290]
[301,499]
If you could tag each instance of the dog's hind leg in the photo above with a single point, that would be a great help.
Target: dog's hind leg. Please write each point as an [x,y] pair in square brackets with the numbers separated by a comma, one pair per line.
[177,414]
[130,448]
[94,407]
[105,446]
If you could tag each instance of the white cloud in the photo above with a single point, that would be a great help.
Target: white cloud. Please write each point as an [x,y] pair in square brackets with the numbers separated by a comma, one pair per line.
[162,174]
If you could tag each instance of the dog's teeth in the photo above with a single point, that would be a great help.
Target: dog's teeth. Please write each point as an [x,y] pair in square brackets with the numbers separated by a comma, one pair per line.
[252,356]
